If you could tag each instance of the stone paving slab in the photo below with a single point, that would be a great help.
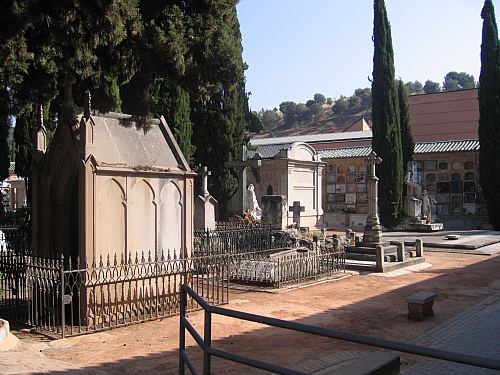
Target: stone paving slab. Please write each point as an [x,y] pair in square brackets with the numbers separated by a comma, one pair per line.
[475,331]
[29,362]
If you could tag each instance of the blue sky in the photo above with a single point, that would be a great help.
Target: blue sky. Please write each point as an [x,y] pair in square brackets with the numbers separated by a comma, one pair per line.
[296,48]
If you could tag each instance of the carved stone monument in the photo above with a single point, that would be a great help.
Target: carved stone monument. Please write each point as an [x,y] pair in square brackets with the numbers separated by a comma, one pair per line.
[204,205]
[296,209]
[274,211]
[242,166]
[252,204]
[418,206]
[373,229]
[413,199]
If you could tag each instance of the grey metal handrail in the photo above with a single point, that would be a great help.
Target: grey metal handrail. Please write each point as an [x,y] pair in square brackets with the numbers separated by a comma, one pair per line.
[206,342]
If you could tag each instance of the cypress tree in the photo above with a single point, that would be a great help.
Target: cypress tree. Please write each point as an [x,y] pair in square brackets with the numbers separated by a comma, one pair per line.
[4,151]
[159,87]
[23,133]
[489,114]
[407,143]
[178,112]
[219,111]
[386,129]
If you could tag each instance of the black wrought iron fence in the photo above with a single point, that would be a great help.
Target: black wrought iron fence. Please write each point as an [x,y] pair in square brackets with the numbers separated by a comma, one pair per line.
[31,290]
[282,267]
[15,238]
[69,297]
[233,239]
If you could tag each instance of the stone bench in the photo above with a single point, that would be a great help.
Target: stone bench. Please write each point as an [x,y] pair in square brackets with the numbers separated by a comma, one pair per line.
[420,305]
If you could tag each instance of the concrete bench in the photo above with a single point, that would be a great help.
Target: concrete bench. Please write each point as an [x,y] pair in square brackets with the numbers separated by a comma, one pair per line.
[420,305]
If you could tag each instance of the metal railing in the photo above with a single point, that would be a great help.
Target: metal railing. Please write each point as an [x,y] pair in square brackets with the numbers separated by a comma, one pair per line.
[205,342]
[69,297]
[280,267]
[233,239]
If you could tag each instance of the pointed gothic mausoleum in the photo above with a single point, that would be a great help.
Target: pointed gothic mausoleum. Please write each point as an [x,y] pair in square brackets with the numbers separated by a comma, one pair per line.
[108,185]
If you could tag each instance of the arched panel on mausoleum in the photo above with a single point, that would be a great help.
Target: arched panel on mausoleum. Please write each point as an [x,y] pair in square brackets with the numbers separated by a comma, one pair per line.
[301,151]
[142,217]
[111,220]
[171,230]
[63,199]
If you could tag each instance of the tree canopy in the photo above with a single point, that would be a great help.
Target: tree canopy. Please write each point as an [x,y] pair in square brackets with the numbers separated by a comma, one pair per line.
[489,114]
[386,141]
[431,87]
[182,59]
[458,81]
[407,143]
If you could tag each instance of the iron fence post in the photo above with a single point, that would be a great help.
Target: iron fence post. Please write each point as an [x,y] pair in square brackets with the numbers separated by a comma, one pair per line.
[207,341]
[182,332]
[279,274]
[63,315]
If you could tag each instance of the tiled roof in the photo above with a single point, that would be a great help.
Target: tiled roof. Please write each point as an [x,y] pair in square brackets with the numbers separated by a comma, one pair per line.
[349,152]
[267,151]
[446,146]
[420,148]
[312,138]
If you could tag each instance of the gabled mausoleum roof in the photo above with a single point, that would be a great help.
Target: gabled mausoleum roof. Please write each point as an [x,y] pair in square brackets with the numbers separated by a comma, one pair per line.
[120,141]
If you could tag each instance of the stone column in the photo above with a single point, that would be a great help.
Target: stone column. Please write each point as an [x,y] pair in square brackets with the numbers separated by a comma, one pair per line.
[373,229]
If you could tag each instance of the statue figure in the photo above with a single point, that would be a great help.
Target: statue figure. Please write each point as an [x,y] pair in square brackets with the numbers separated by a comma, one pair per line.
[413,189]
[413,199]
[253,206]
[427,203]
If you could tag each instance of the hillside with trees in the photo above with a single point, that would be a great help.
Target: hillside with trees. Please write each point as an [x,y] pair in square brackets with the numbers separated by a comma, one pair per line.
[321,112]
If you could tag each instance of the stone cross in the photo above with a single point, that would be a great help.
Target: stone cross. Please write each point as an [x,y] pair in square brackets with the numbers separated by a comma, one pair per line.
[372,160]
[296,209]
[242,166]
[373,229]
[204,180]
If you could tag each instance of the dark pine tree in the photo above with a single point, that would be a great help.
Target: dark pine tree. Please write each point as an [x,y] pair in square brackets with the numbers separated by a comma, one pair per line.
[23,134]
[386,140]
[159,88]
[219,108]
[4,150]
[178,114]
[407,142]
[489,115]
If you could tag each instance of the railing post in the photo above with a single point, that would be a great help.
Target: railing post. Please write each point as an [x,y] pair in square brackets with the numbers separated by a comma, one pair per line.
[207,341]
[63,315]
[182,332]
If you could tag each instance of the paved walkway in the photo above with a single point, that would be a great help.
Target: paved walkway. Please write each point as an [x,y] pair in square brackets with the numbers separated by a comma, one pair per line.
[478,242]
[30,362]
[474,331]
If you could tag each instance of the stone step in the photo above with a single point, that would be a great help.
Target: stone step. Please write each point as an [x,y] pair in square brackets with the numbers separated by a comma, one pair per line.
[373,258]
[388,249]
[357,265]
[359,256]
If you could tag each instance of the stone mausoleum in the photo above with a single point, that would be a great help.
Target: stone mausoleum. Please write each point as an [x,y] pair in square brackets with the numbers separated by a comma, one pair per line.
[293,170]
[108,185]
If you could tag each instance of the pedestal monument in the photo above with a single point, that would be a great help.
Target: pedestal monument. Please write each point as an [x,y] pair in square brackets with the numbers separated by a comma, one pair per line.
[373,229]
